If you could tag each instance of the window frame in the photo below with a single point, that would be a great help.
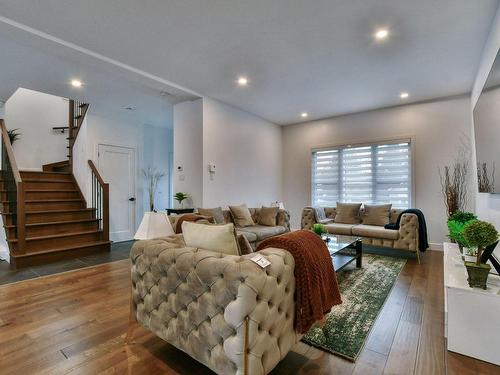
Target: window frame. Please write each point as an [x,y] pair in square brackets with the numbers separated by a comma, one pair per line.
[381,141]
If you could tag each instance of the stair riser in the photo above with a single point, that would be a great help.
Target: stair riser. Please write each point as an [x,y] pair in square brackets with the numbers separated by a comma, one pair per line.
[34,195]
[61,194]
[56,216]
[34,246]
[46,176]
[46,230]
[36,259]
[51,206]
[35,185]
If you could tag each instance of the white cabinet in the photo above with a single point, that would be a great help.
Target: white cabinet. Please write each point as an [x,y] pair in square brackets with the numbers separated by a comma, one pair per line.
[472,316]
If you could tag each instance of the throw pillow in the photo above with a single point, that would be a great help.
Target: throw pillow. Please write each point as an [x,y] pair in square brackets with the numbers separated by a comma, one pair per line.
[348,213]
[216,213]
[241,216]
[244,245]
[219,238]
[377,214]
[267,216]
[319,214]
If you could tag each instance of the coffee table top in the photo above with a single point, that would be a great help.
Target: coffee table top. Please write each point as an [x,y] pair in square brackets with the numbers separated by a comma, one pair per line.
[338,243]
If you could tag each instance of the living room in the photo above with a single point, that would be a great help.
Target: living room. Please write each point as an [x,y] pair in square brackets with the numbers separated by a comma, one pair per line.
[312,129]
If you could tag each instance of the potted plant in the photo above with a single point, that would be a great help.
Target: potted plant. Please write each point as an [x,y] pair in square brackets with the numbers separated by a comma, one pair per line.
[319,229]
[456,224]
[13,135]
[181,197]
[481,234]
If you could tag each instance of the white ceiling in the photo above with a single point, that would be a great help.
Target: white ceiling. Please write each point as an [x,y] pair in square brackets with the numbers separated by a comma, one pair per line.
[303,55]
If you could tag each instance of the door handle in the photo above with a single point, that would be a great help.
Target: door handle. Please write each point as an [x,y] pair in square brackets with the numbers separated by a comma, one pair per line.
[132,199]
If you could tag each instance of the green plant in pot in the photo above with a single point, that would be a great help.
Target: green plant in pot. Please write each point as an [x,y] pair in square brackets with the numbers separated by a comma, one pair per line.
[181,197]
[479,234]
[319,229]
[456,224]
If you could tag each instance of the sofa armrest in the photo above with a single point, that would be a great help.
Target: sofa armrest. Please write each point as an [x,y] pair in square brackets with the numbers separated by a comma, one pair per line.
[308,218]
[283,219]
[206,303]
[408,233]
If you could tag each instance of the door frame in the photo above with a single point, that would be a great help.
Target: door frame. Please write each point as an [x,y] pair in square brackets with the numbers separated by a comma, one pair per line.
[134,176]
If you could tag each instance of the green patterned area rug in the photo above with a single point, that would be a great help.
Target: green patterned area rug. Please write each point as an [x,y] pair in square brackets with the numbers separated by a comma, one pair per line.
[364,292]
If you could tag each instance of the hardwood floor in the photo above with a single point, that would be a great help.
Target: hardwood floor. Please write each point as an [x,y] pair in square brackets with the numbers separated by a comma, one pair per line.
[75,322]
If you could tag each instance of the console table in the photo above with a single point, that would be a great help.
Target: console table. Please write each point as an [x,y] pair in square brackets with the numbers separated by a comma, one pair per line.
[472,315]
[179,211]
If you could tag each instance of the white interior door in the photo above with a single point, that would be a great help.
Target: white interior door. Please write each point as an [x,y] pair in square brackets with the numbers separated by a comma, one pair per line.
[117,167]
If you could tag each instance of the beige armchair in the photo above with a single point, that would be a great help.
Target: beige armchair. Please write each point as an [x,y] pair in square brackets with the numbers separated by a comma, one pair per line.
[223,310]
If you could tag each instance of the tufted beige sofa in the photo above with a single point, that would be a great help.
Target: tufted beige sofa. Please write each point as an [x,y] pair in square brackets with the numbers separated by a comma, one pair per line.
[223,310]
[406,238]
[255,234]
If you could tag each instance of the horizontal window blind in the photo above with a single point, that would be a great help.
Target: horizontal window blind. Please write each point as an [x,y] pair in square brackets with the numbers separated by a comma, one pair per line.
[374,174]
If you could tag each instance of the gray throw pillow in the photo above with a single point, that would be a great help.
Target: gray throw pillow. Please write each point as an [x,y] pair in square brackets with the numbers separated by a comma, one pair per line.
[216,213]
[241,216]
[377,214]
[348,213]
[267,216]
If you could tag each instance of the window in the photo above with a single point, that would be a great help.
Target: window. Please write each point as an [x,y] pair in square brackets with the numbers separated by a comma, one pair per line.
[376,174]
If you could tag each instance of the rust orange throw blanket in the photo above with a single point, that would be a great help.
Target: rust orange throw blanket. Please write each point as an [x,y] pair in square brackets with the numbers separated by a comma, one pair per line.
[190,217]
[316,288]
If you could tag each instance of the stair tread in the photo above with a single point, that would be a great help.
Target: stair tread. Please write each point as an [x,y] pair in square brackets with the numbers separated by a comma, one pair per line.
[59,235]
[56,222]
[63,248]
[54,211]
[48,172]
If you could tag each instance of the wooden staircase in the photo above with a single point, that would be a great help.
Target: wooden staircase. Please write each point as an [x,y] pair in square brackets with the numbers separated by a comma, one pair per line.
[45,215]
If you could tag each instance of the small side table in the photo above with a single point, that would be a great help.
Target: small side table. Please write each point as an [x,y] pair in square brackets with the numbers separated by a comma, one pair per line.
[179,211]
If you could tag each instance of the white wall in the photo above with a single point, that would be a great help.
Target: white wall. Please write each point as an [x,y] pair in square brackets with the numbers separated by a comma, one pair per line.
[35,113]
[487,205]
[158,147]
[245,149]
[153,146]
[248,157]
[188,150]
[435,127]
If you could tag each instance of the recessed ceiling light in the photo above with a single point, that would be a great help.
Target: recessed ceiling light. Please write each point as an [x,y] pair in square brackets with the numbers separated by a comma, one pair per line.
[76,83]
[381,34]
[404,95]
[242,81]
[304,114]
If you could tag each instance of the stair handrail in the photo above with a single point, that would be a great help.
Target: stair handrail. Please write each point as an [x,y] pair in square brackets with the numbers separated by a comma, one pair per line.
[18,199]
[77,112]
[100,200]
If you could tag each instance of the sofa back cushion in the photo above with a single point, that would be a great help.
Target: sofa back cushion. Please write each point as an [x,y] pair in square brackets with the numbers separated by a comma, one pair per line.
[376,214]
[348,213]
[219,238]
[216,213]
[241,216]
[267,216]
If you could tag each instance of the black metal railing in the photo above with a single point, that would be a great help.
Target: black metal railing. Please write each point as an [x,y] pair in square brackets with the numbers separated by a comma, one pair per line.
[100,200]
[14,199]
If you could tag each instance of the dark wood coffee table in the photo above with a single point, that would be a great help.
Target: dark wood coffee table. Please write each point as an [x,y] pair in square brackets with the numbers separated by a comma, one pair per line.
[344,250]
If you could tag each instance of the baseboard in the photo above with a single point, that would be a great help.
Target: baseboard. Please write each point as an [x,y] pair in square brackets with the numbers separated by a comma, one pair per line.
[436,246]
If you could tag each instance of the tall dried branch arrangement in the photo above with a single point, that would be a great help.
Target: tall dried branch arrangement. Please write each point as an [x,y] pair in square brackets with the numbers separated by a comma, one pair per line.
[455,179]
[486,182]
[153,176]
